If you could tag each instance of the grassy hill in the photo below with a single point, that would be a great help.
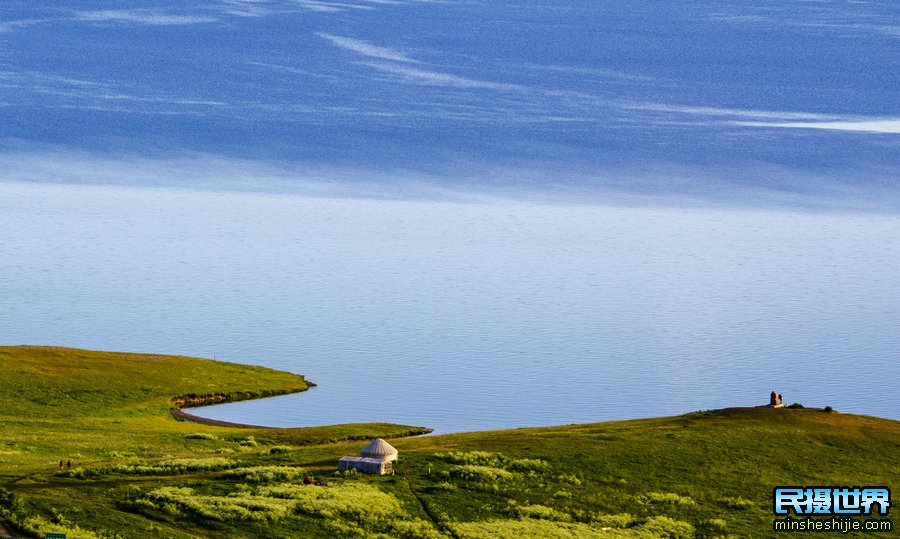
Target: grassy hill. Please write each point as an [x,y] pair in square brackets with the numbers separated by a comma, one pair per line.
[140,473]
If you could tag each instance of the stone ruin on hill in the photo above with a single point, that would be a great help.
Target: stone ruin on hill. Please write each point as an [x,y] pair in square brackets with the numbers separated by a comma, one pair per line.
[776,400]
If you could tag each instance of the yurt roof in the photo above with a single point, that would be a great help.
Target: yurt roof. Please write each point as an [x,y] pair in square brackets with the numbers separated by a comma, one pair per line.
[378,448]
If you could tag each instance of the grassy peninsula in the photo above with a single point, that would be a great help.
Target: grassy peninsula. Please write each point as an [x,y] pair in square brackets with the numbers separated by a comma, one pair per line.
[139,472]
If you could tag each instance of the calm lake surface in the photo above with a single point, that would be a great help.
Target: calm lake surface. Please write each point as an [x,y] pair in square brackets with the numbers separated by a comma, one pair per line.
[465,315]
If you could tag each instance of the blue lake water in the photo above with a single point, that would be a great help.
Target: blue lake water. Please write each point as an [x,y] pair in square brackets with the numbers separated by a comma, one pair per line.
[463,214]
[465,315]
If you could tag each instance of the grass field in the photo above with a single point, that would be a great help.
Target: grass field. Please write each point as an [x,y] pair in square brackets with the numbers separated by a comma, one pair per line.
[137,472]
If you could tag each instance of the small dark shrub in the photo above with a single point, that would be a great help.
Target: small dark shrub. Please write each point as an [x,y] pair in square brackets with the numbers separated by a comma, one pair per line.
[828,409]
[796,406]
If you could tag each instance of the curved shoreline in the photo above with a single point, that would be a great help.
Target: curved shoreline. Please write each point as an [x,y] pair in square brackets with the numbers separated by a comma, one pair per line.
[196,401]
[181,415]
[203,400]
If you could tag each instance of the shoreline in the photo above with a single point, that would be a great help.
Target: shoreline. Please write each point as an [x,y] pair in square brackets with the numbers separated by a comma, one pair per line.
[180,402]
[198,401]
[181,415]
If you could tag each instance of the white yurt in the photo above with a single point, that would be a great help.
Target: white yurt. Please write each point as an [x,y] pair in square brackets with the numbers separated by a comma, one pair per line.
[379,449]
[376,458]
[365,465]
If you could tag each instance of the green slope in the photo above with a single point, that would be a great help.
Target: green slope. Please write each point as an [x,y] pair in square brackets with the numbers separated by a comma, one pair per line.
[140,473]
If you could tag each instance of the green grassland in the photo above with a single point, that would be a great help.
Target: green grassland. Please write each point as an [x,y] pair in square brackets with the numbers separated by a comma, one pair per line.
[138,472]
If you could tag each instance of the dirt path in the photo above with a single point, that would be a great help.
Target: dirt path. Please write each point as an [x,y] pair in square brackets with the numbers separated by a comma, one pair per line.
[434,520]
